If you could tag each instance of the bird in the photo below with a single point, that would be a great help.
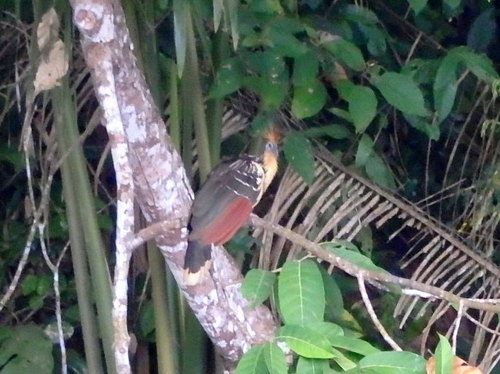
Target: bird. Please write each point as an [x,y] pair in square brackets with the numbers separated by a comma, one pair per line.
[224,203]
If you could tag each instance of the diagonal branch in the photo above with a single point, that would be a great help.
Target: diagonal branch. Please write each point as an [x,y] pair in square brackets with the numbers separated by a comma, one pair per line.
[409,286]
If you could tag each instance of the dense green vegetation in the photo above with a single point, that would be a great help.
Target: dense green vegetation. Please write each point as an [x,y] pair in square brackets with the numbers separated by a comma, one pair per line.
[404,93]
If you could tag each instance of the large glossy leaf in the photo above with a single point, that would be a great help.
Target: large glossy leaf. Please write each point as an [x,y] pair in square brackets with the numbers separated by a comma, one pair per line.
[362,103]
[298,152]
[305,342]
[258,285]
[308,99]
[229,78]
[275,359]
[445,86]
[305,69]
[312,366]
[333,295]
[342,360]
[393,363]
[301,293]
[354,345]
[444,356]
[347,52]
[401,92]
[252,362]
[329,330]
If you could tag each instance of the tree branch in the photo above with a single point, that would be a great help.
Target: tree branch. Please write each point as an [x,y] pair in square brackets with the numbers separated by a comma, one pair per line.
[159,180]
[409,286]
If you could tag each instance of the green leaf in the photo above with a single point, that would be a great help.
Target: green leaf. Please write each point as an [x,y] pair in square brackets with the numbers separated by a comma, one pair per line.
[393,363]
[29,284]
[355,258]
[365,150]
[25,349]
[229,78]
[252,362]
[444,356]
[218,6]
[312,366]
[480,65]
[401,92]
[346,52]
[333,295]
[305,69]
[445,86]
[181,17]
[309,99]
[329,330]
[258,285]
[275,359]
[305,342]
[378,172]
[354,345]
[432,130]
[377,44]
[362,103]
[298,152]
[342,360]
[44,285]
[271,82]
[417,5]
[360,14]
[231,12]
[301,293]
[281,37]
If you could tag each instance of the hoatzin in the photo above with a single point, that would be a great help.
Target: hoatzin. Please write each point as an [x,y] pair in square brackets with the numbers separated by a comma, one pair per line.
[224,203]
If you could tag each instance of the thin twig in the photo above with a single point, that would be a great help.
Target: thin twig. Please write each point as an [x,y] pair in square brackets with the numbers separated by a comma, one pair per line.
[371,312]
[457,326]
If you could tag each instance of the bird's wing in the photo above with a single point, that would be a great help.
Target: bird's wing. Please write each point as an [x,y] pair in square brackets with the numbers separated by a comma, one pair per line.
[225,201]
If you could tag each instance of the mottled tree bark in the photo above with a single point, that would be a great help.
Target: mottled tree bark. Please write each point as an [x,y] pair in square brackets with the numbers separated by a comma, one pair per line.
[150,170]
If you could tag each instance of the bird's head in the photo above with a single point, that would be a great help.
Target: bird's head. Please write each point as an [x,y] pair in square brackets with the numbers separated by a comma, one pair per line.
[270,155]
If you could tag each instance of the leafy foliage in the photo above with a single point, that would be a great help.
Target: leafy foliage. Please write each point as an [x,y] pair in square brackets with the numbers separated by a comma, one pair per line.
[405,92]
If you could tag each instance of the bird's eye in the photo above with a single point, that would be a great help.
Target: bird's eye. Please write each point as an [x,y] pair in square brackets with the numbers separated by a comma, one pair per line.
[272,147]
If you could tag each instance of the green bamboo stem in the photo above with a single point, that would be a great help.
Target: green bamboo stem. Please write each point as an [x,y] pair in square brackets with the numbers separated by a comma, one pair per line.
[215,108]
[82,280]
[67,137]
[165,335]
[174,121]
[194,100]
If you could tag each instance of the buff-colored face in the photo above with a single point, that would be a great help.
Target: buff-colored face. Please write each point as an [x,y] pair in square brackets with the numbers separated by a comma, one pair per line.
[270,161]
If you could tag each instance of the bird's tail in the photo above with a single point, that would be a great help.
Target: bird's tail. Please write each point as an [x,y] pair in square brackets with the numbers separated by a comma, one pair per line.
[197,262]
